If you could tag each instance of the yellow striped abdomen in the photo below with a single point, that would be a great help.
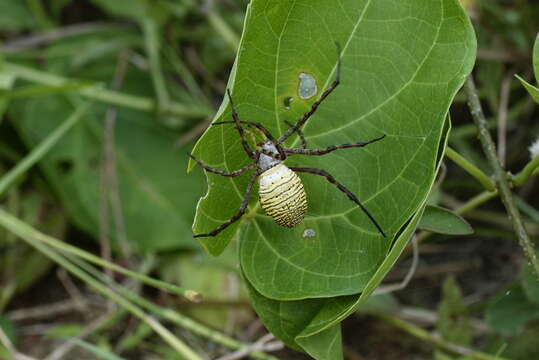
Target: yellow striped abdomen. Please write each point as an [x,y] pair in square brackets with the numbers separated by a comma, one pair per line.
[282,195]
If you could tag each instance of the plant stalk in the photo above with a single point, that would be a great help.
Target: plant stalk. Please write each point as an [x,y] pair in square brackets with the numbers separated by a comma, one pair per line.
[500,175]
[470,169]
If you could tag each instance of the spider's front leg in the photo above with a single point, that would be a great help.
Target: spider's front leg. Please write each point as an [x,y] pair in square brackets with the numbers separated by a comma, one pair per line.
[300,134]
[299,124]
[303,151]
[221,172]
[237,124]
[239,214]
[342,188]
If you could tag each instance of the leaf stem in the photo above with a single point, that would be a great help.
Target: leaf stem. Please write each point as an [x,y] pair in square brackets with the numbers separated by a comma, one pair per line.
[39,151]
[500,174]
[470,169]
[31,237]
[98,92]
[217,22]
[476,201]
[151,41]
[527,172]
[435,340]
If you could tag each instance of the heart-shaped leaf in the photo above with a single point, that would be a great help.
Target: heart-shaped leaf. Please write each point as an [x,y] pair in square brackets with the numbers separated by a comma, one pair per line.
[402,63]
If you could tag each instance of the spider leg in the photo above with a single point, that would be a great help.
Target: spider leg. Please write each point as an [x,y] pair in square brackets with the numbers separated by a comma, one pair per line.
[341,187]
[236,118]
[239,214]
[221,172]
[317,103]
[300,134]
[263,130]
[329,149]
[253,124]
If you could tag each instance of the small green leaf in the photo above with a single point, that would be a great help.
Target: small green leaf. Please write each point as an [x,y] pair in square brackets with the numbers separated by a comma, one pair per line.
[444,221]
[510,311]
[453,322]
[532,90]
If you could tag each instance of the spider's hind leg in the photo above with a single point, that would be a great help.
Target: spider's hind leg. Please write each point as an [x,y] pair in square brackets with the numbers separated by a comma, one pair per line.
[342,188]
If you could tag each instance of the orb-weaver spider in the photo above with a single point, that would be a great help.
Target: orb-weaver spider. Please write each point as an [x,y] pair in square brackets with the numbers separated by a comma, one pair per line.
[281,192]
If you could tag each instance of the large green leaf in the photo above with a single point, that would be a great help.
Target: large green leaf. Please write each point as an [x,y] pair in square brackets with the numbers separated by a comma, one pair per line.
[402,64]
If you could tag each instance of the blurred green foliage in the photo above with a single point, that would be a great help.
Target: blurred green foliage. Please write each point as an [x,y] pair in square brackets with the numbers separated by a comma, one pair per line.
[177,57]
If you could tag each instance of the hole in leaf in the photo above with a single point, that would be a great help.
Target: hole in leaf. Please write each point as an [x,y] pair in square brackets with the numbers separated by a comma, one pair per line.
[307,86]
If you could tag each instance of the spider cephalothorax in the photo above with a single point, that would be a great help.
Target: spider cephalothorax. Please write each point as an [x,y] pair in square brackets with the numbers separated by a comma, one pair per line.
[281,191]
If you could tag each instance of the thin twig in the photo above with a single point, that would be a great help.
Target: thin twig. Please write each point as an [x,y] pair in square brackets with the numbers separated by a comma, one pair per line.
[429,318]
[35,40]
[32,237]
[435,339]
[500,174]
[109,177]
[505,91]
[14,354]
[384,289]
[192,134]
[45,311]
[262,344]
[68,345]
[72,289]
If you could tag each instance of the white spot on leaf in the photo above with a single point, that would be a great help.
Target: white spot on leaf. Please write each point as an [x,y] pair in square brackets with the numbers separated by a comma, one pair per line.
[308,233]
[307,86]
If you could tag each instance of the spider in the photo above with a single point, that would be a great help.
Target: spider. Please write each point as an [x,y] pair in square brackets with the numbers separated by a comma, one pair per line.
[281,191]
